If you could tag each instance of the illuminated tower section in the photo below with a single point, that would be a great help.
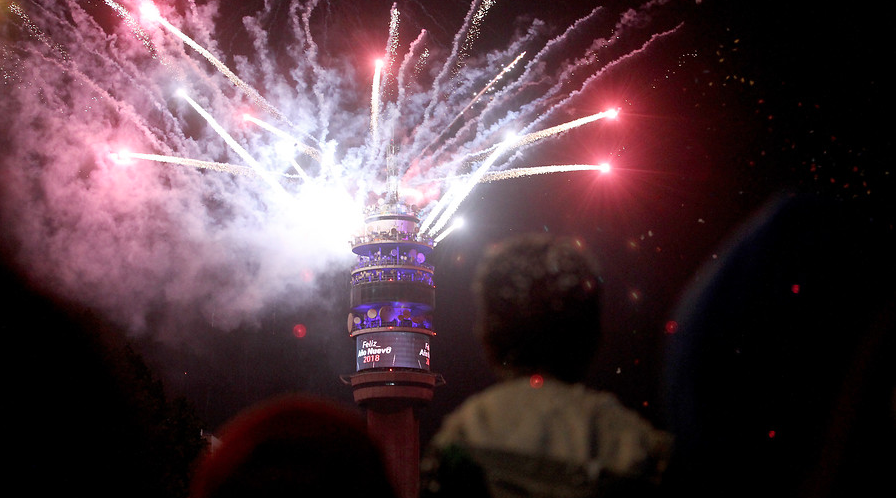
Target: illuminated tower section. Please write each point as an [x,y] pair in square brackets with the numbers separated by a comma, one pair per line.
[392,302]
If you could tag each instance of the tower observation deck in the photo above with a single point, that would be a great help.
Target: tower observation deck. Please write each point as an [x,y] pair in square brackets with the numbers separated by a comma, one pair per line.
[390,320]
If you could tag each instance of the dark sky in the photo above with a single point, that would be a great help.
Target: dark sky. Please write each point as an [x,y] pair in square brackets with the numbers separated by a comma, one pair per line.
[746,99]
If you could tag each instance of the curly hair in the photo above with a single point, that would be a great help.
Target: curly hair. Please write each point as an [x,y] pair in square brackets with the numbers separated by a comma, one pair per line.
[538,306]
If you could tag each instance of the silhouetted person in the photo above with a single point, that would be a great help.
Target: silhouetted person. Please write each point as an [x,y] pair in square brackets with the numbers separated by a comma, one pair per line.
[293,446]
[777,341]
[85,415]
[857,456]
[539,431]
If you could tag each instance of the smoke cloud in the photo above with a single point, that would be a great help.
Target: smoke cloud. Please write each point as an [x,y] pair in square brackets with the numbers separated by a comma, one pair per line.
[159,246]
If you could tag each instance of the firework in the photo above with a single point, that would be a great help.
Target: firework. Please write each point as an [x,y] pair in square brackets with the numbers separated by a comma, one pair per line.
[83,83]
[542,170]
[239,149]
[151,12]
[125,156]
[305,149]
[375,102]
[466,187]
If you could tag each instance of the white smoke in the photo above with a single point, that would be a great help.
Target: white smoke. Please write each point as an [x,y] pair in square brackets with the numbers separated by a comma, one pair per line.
[144,241]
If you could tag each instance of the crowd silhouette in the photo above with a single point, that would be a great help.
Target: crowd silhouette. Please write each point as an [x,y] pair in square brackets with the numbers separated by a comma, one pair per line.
[779,377]
[779,381]
[88,417]
[290,446]
[540,431]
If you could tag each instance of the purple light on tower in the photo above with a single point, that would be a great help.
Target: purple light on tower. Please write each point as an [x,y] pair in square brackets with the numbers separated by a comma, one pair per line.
[392,302]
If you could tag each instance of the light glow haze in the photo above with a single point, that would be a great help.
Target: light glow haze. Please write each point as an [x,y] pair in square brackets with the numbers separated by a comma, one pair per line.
[149,172]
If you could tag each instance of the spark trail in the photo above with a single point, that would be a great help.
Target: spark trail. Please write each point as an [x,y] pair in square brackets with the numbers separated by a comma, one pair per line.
[81,81]
[236,169]
[535,136]
[306,149]
[464,189]
[475,99]
[151,12]
[542,170]
[375,103]
[36,32]
[239,149]
[136,29]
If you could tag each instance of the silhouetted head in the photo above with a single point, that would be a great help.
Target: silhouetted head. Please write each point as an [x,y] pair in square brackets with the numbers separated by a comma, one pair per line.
[538,306]
[788,317]
[293,446]
[84,406]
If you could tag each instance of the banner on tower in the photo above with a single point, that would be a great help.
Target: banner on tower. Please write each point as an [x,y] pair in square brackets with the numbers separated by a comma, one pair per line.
[392,350]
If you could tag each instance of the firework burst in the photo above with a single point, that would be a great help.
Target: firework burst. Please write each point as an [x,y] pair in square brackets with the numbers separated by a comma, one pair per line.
[103,96]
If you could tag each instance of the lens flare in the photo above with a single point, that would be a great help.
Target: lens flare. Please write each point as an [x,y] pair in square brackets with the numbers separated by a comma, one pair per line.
[150,12]
[458,223]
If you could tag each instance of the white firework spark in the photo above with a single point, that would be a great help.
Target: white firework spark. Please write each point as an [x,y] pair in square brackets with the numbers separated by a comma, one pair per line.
[82,82]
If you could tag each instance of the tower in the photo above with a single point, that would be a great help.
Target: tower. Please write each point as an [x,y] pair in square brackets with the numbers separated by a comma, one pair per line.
[392,302]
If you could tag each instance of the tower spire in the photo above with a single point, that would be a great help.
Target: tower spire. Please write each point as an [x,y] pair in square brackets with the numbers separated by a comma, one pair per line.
[391,176]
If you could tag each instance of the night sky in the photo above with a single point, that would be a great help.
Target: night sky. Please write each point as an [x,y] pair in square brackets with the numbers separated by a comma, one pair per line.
[743,100]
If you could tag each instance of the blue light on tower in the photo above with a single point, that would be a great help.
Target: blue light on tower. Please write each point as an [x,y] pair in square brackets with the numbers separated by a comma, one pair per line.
[392,291]
[391,322]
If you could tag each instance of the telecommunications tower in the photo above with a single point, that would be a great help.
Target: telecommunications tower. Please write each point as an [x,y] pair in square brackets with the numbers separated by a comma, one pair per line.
[390,320]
